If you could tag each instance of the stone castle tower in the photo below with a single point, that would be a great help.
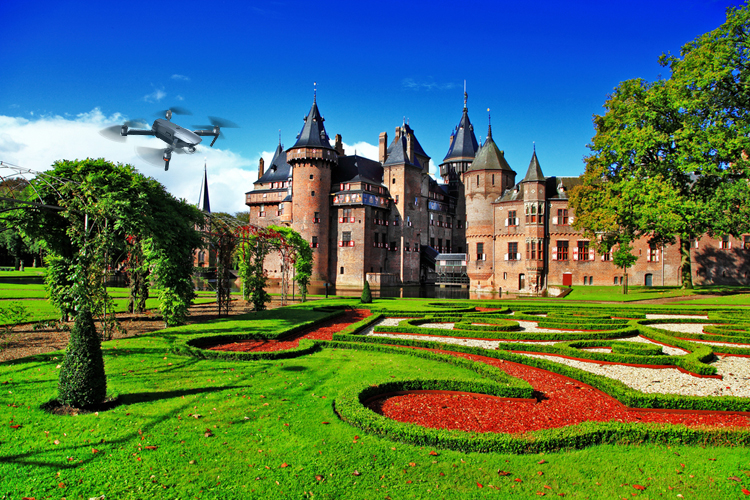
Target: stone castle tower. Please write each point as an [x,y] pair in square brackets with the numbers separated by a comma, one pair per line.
[534,204]
[463,148]
[312,159]
[484,182]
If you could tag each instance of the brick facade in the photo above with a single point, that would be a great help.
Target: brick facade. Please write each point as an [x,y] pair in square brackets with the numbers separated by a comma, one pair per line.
[381,220]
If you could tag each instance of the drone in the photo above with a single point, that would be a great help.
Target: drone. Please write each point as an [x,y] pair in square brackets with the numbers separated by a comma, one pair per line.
[179,140]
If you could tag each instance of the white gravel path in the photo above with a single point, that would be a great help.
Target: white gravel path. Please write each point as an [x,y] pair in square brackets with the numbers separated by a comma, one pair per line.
[675,316]
[682,327]
[735,372]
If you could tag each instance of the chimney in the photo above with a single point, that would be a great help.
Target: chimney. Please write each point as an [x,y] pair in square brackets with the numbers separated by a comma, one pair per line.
[383,147]
[410,147]
[339,147]
[261,168]
[398,133]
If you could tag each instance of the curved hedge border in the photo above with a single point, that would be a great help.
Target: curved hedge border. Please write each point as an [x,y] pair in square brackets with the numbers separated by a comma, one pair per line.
[197,346]
[618,390]
[350,408]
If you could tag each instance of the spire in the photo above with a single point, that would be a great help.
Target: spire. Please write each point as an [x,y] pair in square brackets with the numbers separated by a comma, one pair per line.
[489,125]
[313,132]
[466,96]
[534,174]
[464,145]
[203,203]
[315,92]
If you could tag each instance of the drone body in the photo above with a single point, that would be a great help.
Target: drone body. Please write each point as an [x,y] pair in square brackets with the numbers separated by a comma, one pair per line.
[178,139]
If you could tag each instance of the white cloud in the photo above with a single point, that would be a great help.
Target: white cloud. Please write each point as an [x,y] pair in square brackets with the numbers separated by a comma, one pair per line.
[155,96]
[179,98]
[181,78]
[362,148]
[36,144]
[411,83]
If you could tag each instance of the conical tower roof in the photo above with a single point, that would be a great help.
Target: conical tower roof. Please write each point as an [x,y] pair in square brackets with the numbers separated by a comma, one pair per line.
[203,203]
[534,174]
[397,152]
[464,145]
[490,157]
[313,134]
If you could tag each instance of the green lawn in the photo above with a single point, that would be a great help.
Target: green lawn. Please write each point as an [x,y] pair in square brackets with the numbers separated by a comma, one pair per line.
[196,428]
[28,272]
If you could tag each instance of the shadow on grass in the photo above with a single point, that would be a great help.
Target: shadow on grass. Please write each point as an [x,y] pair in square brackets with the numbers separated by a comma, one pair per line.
[151,396]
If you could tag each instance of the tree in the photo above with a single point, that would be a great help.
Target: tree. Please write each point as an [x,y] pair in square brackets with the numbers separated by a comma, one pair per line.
[668,159]
[366,294]
[102,205]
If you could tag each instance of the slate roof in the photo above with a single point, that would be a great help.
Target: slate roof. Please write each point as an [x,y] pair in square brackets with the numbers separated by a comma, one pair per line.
[490,157]
[397,154]
[313,132]
[357,169]
[464,143]
[278,170]
[417,146]
[557,188]
[534,173]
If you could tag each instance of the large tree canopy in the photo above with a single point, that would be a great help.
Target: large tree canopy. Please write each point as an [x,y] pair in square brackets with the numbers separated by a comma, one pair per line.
[107,210]
[669,157]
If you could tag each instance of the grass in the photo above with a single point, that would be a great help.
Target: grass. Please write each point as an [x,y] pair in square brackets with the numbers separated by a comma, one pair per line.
[33,298]
[28,272]
[273,433]
[614,293]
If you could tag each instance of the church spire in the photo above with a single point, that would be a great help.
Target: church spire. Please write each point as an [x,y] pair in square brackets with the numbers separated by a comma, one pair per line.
[534,173]
[203,203]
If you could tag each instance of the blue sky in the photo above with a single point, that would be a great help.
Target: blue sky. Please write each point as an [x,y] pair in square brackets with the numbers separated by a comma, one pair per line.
[68,69]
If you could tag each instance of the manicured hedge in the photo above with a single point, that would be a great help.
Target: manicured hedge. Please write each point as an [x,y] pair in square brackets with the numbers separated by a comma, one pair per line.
[350,408]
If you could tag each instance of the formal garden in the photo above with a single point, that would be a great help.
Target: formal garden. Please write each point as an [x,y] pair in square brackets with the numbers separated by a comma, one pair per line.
[397,398]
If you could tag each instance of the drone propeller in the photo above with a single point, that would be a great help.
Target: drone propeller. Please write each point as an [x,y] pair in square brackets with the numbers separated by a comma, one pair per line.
[155,156]
[216,125]
[174,110]
[113,133]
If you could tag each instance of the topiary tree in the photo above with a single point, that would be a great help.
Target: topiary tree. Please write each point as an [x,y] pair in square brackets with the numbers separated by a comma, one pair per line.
[366,294]
[82,380]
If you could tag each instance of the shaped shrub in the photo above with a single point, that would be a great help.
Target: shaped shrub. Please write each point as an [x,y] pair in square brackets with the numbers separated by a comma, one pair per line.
[82,380]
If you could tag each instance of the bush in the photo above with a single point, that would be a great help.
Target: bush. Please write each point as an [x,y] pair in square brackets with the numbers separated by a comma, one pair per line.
[82,380]
[366,294]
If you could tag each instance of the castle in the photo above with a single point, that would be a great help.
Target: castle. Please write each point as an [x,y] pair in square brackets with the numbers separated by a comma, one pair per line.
[390,223]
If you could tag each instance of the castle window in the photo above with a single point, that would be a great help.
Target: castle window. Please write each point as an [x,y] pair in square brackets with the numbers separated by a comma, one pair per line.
[493,179]
[477,181]
[560,252]
[396,199]
[653,253]
[513,251]
[512,220]
[725,243]
[316,218]
[746,242]
[562,216]
[346,237]
[312,193]
[480,251]
[341,271]
[314,243]
[582,252]
[533,214]
[393,181]
[311,176]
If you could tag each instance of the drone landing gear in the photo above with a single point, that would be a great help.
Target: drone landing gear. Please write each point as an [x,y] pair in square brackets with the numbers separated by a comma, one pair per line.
[167,156]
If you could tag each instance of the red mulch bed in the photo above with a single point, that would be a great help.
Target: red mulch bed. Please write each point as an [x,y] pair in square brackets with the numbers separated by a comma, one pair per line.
[562,401]
[323,331]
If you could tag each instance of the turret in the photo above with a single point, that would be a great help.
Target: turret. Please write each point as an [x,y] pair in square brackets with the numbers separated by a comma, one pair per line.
[312,159]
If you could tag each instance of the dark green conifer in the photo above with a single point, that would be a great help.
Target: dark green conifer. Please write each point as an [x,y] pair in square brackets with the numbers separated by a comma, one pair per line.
[366,294]
[82,380]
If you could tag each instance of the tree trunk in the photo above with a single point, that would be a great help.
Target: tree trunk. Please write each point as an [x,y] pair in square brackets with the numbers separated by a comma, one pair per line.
[625,282]
[686,270]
